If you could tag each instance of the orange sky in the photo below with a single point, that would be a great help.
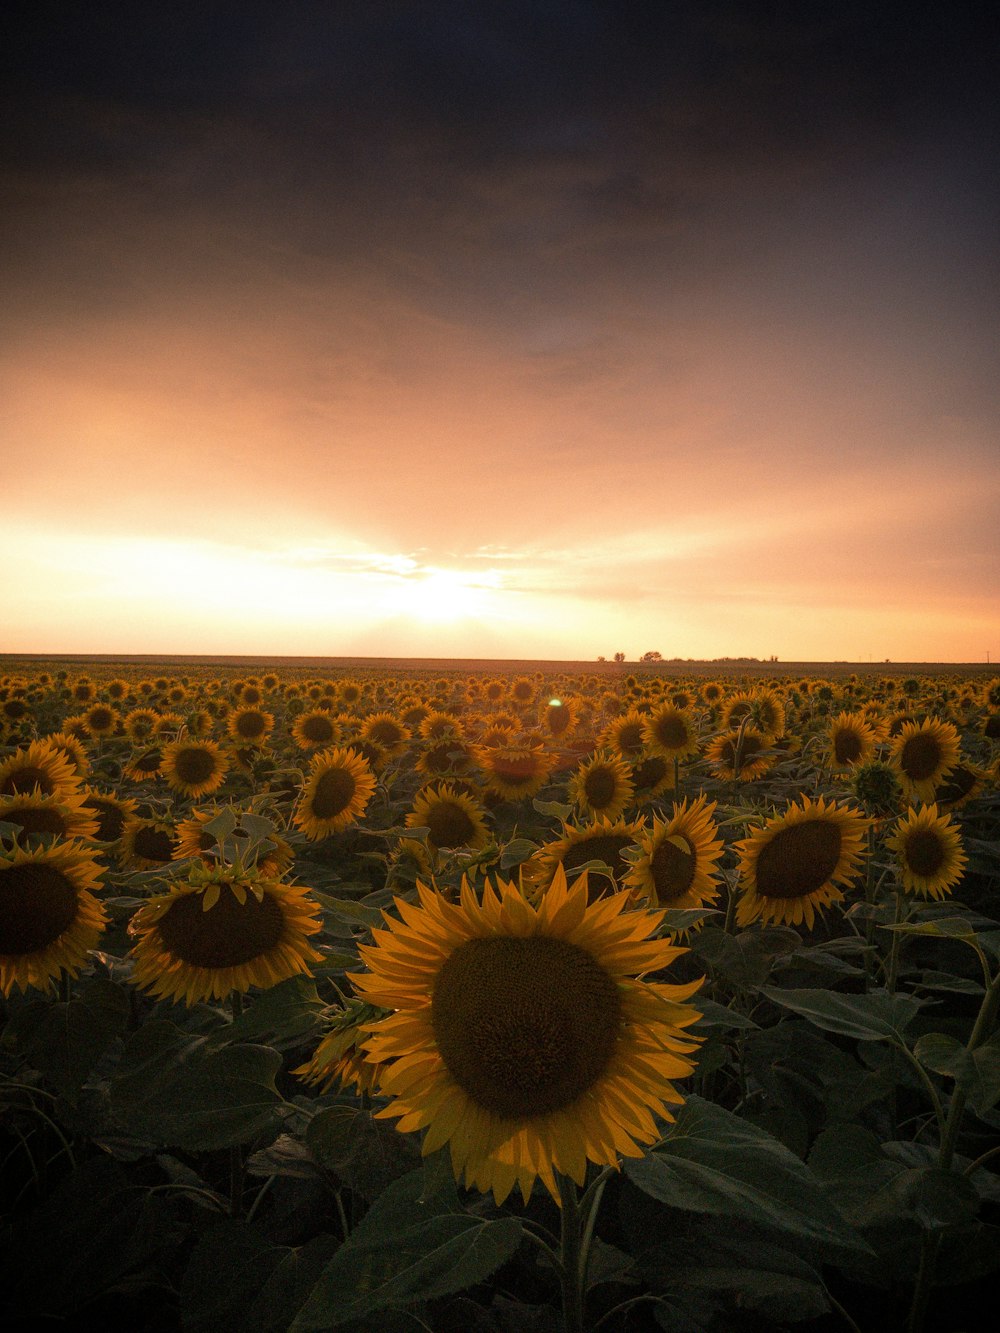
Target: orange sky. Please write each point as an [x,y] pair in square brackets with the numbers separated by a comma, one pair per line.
[588,379]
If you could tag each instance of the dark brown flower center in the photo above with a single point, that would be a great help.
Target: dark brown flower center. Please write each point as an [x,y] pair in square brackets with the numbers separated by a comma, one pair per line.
[673,870]
[671,731]
[798,859]
[333,794]
[35,819]
[153,844]
[847,746]
[251,725]
[227,935]
[600,787]
[26,779]
[318,729]
[37,905]
[920,756]
[629,738]
[647,774]
[450,825]
[924,853]
[606,847]
[524,1026]
[385,732]
[110,819]
[194,765]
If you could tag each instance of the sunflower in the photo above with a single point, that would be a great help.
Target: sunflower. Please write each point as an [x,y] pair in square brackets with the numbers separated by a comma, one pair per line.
[670,732]
[192,840]
[147,843]
[438,726]
[929,852]
[140,723]
[74,750]
[604,840]
[49,917]
[522,691]
[676,866]
[250,725]
[315,730]
[923,754]
[449,756]
[851,739]
[454,819]
[336,791]
[386,731]
[740,754]
[64,815]
[194,767]
[145,764]
[652,775]
[763,708]
[218,932]
[40,764]
[101,720]
[110,811]
[199,722]
[602,786]
[514,772]
[559,717]
[961,785]
[794,864]
[521,1036]
[340,1062]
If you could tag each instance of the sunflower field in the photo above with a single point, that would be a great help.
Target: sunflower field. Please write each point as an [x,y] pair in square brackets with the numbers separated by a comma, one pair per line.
[516,1000]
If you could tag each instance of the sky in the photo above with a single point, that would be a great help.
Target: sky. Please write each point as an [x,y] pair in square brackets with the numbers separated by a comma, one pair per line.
[524,329]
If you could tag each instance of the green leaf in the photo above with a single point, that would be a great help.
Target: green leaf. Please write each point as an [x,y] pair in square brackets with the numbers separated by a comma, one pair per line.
[553,809]
[409,1247]
[177,1091]
[364,1153]
[65,1041]
[290,1009]
[516,852]
[947,927]
[222,825]
[945,1055]
[715,1163]
[877,1016]
[718,1016]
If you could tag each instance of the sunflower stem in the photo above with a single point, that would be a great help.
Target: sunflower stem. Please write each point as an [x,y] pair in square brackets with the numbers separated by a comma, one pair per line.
[573,1259]
[981,1031]
[893,966]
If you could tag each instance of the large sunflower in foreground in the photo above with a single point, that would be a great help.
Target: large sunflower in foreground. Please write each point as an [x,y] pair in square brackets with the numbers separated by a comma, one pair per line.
[929,852]
[676,866]
[923,754]
[219,932]
[522,1036]
[49,917]
[336,791]
[795,863]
